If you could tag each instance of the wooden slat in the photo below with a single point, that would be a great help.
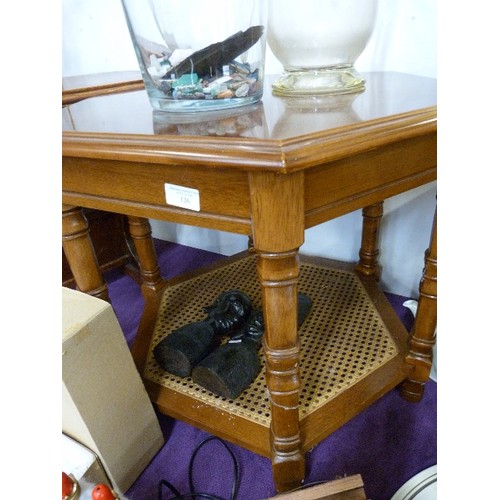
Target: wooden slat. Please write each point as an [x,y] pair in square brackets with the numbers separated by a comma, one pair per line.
[75,95]
[346,488]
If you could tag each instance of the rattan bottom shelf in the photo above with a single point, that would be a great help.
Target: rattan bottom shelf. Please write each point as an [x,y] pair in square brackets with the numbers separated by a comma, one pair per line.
[344,342]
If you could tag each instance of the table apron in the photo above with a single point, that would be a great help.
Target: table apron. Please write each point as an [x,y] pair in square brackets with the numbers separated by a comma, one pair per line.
[331,189]
[373,176]
[139,189]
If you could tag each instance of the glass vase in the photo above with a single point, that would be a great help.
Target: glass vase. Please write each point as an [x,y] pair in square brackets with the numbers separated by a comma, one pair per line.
[319,44]
[196,55]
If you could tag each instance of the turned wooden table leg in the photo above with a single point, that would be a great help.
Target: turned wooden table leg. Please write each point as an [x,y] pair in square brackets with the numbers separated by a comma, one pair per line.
[152,286]
[279,275]
[80,253]
[423,336]
[140,231]
[368,254]
[280,198]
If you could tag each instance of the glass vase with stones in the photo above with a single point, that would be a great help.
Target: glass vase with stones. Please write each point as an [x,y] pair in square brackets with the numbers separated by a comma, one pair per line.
[319,45]
[197,55]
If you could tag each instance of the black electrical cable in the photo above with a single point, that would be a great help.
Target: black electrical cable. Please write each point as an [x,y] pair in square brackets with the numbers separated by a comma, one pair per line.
[192,493]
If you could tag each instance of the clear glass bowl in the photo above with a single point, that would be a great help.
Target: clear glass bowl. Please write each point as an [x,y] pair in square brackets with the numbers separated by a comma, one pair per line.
[196,55]
[319,44]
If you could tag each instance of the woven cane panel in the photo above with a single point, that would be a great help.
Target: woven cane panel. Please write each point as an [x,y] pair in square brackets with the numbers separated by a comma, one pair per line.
[342,340]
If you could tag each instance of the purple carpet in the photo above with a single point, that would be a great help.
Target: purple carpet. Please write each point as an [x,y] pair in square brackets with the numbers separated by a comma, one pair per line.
[387,444]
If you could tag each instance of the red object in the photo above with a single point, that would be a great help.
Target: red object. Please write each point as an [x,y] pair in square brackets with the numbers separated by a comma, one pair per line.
[67,485]
[102,492]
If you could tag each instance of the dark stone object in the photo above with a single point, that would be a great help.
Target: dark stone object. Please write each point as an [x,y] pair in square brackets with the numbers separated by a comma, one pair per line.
[182,349]
[232,367]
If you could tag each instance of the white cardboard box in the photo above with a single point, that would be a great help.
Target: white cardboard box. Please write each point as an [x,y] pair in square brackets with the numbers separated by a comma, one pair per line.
[104,403]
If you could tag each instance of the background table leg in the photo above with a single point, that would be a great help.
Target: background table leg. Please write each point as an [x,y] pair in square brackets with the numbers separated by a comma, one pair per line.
[152,285]
[423,336]
[80,253]
[140,231]
[368,254]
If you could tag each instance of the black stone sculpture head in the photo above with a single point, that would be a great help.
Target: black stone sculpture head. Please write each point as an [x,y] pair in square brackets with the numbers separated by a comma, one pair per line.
[186,346]
[228,312]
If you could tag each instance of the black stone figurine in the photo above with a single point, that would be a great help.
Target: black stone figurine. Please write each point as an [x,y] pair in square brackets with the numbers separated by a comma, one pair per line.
[182,349]
[232,367]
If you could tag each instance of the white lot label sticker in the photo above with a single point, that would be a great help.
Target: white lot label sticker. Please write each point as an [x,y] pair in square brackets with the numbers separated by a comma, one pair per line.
[184,197]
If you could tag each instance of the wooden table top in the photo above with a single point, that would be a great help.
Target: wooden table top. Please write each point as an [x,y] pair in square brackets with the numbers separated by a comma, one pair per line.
[285,134]
[354,150]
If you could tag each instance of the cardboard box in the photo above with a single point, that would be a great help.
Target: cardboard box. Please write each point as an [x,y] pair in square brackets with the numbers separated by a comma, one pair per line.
[104,403]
